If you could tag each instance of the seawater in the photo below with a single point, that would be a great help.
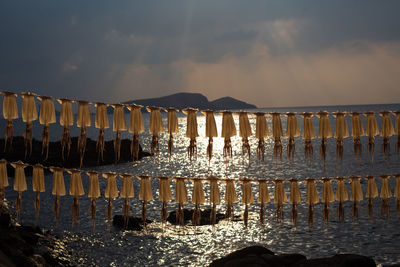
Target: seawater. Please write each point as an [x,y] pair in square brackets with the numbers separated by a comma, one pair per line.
[172,245]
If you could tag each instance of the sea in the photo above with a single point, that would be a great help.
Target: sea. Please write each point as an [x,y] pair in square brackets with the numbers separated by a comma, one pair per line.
[170,245]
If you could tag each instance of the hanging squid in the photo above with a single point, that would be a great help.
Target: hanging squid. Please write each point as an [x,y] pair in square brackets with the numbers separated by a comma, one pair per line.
[277,134]
[341,132]
[127,193]
[245,132]
[372,192]
[357,130]
[308,135]
[29,114]
[3,178]
[294,198]
[386,131]
[247,198]
[385,195]
[156,127]
[371,131]
[19,184]
[94,192]
[101,123]
[58,190]
[279,198]
[397,192]
[263,197]
[66,120]
[327,198]
[230,197]
[324,133]
[211,131]
[312,199]
[47,116]
[83,120]
[10,112]
[172,127]
[356,193]
[111,193]
[191,131]
[197,199]
[215,198]
[164,195]
[397,113]
[228,130]
[180,198]
[341,196]
[38,186]
[292,131]
[119,125]
[136,127]
[145,194]
[262,131]
[75,190]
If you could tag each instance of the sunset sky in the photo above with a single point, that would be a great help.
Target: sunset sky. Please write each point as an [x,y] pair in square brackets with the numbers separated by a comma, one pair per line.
[268,53]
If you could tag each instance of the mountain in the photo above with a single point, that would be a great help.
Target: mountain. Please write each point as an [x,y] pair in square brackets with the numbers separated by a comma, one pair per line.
[195,100]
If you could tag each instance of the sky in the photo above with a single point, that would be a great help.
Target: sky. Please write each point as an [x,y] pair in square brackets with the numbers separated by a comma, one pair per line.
[269,53]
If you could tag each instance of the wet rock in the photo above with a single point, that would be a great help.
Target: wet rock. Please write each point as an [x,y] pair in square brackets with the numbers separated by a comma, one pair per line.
[188,215]
[134,223]
[340,260]
[249,256]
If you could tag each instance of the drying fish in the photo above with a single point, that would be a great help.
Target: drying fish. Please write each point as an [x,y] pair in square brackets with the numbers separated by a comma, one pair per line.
[372,192]
[119,125]
[308,135]
[83,120]
[172,127]
[197,199]
[94,192]
[156,127]
[75,190]
[386,132]
[58,189]
[324,133]
[180,198]
[247,198]
[101,123]
[215,198]
[164,195]
[397,113]
[371,131]
[294,198]
[228,131]
[356,193]
[10,112]
[66,120]
[327,197]
[29,114]
[127,193]
[279,198]
[341,132]
[230,197]
[191,131]
[145,194]
[136,127]
[47,116]
[263,197]
[19,184]
[38,187]
[262,131]
[341,196]
[397,192]
[3,178]
[385,195]
[211,131]
[292,131]
[245,131]
[111,193]
[277,134]
[357,130]
[312,198]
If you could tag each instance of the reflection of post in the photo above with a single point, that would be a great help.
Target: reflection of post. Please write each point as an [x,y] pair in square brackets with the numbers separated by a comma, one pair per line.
[292,131]
[262,131]
[245,131]
[263,197]
[29,114]
[357,130]
[371,131]
[294,198]
[211,131]
[324,133]
[308,134]
[66,120]
[372,192]
[101,122]
[47,116]
[10,112]
[119,125]
[386,132]
[136,127]
[341,132]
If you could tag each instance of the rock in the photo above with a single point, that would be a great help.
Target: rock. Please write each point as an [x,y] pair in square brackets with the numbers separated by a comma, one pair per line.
[5,220]
[340,260]
[188,214]
[249,256]
[134,223]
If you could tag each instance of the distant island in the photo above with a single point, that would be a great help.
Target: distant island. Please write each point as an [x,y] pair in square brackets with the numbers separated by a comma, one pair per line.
[195,100]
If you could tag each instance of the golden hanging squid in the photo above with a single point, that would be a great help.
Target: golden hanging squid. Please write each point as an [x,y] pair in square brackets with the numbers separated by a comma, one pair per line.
[211,131]
[47,116]
[172,127]
[19,184]
[180,198]
[327,197]
[247,198]
[357,130]
[356,193]
[312,198]
[164,195]
[215,197]
[230,197]
[136,127]
[38,186]
[386,131]
[397,192]
[324,133]
[66,120]
[191,131]
[371,131]
[263,197]
[228,131]
[127,193]
[111,193]
[397,113]
[3,178]
[75,190]
[29,114]
[198,198]
[156,127]
[341,132]
[83,120]
[292,131]
[262,131]
[294,198]
[101,123]
[277,134]
[10,112]
[308,135]
[94,192]
[372,192]
[245,132]
[145,194]
[58,190]
[279,198]
[341,196]
[119,125]
[385,195]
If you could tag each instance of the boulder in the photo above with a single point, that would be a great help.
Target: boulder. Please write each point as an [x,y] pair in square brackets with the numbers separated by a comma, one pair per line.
[249,256]
[134,223]
[340,260]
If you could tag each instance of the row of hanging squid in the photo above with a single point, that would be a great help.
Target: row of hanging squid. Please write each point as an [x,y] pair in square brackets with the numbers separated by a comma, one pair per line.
[198,196]
[83,120]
